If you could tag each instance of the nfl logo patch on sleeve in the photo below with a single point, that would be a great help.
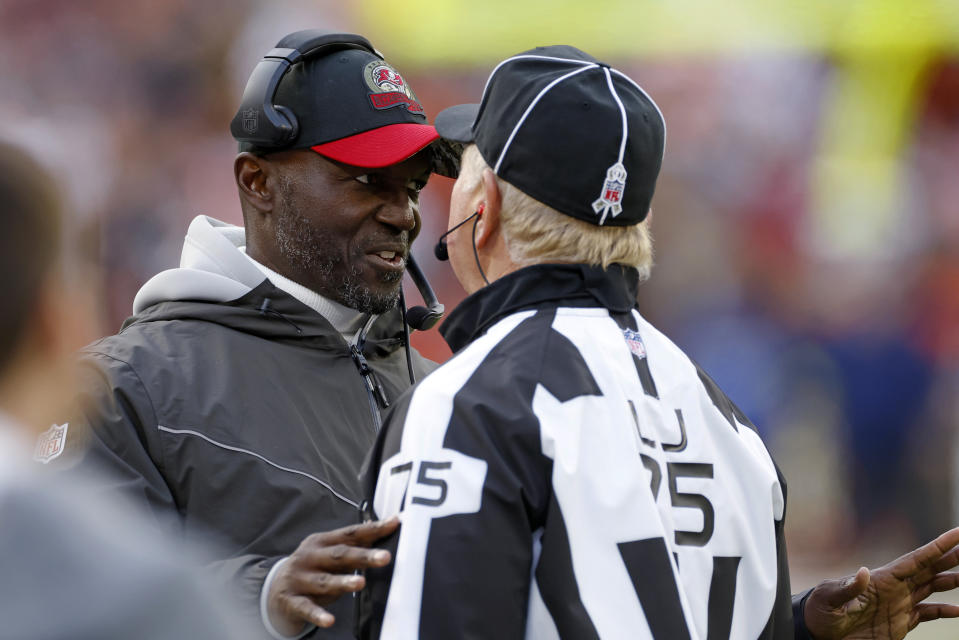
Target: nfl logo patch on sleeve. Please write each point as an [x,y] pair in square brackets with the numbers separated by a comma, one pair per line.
[51,443]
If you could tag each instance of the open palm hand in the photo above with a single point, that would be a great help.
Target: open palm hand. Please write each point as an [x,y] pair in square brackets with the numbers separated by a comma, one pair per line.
[886,603]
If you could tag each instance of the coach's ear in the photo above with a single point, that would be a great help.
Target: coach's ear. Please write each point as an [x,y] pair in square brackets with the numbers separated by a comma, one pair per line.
[251,173]
[488,224]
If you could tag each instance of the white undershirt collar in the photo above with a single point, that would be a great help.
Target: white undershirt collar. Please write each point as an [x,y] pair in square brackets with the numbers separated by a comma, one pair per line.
[345,320]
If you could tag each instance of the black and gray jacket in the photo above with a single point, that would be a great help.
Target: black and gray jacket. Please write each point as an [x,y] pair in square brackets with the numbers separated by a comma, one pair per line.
[229,408]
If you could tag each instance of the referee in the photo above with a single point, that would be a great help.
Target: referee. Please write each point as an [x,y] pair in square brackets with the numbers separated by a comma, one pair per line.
[571,473]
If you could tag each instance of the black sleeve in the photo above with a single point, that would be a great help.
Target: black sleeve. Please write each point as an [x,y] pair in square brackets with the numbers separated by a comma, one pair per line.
[116,449]
[782,625]
[241,578]
[114,438]
[799,616]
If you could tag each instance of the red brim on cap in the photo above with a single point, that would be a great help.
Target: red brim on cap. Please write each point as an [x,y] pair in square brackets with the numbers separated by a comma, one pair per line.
[379,147]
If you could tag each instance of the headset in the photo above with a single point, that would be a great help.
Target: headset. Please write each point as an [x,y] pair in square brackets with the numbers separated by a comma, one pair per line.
[442,252]
[276,126]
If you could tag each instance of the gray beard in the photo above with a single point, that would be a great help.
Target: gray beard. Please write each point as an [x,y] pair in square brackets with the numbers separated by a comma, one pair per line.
[313,250]
[353,294]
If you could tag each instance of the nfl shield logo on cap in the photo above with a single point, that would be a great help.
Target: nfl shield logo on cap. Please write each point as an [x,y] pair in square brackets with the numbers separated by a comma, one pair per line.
[612,196]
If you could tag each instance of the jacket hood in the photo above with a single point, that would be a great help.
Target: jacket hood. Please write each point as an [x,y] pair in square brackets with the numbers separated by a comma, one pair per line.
[217,283]
[212,269]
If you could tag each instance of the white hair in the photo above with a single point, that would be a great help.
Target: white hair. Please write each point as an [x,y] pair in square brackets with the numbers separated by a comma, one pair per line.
[536,233]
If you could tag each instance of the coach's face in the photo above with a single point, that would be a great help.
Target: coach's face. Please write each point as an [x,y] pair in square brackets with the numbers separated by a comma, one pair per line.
[344,231]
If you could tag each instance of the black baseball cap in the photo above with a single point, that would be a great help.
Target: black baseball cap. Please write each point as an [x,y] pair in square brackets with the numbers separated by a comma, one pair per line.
[349,105]
[569,131]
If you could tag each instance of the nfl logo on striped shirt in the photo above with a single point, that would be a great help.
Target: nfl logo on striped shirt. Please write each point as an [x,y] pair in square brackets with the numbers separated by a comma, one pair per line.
[635,343]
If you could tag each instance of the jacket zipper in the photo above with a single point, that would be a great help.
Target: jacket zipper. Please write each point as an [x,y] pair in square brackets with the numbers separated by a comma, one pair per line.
[374,391]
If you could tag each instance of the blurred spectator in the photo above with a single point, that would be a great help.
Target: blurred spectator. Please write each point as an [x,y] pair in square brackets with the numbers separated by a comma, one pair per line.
[71,565]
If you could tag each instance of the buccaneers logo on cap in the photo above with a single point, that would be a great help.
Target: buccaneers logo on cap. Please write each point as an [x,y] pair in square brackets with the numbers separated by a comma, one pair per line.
[389,88]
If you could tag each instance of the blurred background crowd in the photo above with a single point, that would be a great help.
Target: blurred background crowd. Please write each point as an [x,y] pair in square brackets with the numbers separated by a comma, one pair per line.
[806,219]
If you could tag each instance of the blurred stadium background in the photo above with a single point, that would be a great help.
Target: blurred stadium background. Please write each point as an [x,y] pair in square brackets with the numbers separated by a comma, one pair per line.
[807,216]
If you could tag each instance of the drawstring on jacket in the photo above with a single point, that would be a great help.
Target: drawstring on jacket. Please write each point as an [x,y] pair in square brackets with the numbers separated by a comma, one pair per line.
[267,308]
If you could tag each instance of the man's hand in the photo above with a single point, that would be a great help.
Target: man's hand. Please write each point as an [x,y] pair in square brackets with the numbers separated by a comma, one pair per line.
[886,603]
[321,570]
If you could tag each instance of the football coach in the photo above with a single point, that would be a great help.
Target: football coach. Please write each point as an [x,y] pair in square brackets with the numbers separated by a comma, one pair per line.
[241,398]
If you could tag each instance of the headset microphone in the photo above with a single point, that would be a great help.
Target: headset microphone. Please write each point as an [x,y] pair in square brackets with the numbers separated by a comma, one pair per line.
[423,318]
[440,250]
[418,318]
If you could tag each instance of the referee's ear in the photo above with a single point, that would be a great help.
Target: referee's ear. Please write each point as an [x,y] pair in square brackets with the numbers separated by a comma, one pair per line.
[488,224]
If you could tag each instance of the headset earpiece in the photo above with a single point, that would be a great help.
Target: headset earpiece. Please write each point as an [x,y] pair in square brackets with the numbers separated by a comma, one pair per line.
[440,250]
[291,128]
[260,124]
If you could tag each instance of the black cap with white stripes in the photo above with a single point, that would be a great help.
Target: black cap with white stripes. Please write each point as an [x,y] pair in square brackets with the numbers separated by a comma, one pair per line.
[568,130]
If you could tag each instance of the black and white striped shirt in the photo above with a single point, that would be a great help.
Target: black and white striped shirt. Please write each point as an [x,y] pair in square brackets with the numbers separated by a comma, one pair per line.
[570,473]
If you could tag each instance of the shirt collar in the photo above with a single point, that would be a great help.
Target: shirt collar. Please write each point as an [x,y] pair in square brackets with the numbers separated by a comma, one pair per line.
[345,320]
[540,286]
